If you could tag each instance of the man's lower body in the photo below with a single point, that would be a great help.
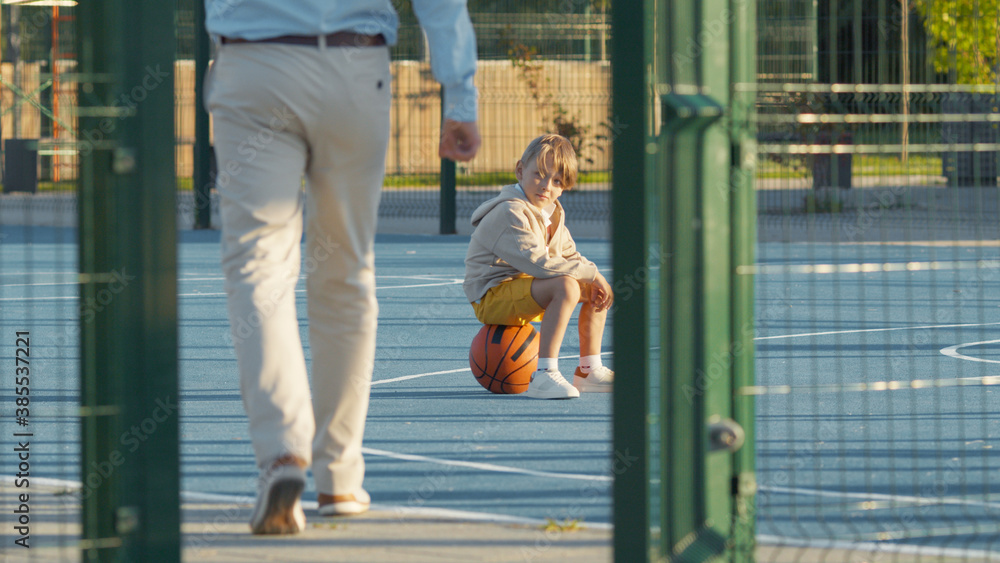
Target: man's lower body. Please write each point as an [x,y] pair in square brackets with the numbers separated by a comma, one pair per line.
[281,113]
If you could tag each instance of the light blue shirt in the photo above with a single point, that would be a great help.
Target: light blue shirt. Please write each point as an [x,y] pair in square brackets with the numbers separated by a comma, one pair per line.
[449,33]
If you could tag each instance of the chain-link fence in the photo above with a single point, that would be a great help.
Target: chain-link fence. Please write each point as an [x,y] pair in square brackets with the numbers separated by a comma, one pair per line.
[543,67]
[877,279]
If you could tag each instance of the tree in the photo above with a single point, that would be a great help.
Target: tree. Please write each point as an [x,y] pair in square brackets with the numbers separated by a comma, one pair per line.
[966,37]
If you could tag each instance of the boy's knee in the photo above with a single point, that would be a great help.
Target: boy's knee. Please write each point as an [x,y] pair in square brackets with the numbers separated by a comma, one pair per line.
[569,287]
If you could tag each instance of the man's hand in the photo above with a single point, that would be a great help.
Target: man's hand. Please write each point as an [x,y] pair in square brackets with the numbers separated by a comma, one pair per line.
[459,140]
[600,293]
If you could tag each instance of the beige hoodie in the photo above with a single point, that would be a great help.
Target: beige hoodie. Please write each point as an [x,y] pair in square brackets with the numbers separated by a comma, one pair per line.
[510,239]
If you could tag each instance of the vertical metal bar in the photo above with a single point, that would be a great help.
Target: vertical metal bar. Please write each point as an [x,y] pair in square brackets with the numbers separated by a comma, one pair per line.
[883,52]
[631,98]
[697,372]
[128,241]
[449,191]
[149,515]
[99,383]
[680,338]
[713,373]
[743,217]
[857,45]
[833,25]
[202,181]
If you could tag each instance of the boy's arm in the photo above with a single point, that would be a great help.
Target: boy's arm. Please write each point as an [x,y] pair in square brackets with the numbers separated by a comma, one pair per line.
[519,246]
[569,251]
[601,294]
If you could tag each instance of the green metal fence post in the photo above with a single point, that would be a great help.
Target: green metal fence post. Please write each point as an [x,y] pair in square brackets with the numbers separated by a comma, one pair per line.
[99,383]
[201,177]
[630,164]
[149,516]
[449,192]
[700,430]
[743,211]
[128,261]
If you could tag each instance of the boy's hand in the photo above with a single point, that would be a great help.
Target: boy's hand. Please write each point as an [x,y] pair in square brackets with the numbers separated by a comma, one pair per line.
[600,293]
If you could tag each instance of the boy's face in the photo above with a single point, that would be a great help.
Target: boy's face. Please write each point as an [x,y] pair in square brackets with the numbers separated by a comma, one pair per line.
[541,189]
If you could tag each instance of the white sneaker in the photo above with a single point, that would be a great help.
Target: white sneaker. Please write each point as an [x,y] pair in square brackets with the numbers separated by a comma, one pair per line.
[599,380]
[344,505]
[547,384]
[279,507]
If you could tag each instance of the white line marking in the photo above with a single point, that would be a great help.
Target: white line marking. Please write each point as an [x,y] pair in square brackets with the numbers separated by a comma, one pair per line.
[248,500]
[64,297]
[871,330]
[425,277]
[953,351]
[882,496]
[484,466]
[405,377]
[425,511]
[450,282]
[38,284]
[460,370]
[56,298]
[877,547]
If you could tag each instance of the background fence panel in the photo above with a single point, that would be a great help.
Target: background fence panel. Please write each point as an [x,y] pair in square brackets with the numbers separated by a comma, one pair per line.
[39,307]
[877,280]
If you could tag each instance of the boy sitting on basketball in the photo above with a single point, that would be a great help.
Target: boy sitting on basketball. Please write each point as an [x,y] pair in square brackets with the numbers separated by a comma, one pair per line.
[522,266]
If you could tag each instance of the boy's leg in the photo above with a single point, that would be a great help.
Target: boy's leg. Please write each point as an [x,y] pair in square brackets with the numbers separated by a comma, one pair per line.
[592,375]
[591,325]
[558,296]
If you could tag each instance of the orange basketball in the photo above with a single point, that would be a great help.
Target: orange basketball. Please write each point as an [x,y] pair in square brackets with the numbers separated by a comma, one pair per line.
[503,357]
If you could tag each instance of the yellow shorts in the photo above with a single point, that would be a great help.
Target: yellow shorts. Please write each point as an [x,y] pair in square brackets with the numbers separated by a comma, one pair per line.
[509,303]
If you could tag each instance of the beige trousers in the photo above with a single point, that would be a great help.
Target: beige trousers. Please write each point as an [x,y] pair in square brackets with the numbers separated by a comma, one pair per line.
[281,113]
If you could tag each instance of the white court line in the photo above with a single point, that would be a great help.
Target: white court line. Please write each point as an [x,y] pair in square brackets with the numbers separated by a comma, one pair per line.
[484,466]
[406,377]
[64,297]
[872,548]
[870,330]
[38,284]
[882,496]
[953,351]
[460,370]
[428,277]
[425,511]
[54,298]
[248,500]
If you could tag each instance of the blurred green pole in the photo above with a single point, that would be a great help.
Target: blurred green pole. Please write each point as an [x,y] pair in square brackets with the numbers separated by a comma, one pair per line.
[128,260]
[99,382]
[149,515]
[448,189]
[743,212]
[201,178]
[631,44]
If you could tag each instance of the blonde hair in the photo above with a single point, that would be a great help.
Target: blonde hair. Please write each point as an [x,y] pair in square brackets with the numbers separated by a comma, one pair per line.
[563,157]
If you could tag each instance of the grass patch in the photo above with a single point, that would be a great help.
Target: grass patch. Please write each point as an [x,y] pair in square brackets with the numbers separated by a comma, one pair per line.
[824,201]
[395,181]
[881,165]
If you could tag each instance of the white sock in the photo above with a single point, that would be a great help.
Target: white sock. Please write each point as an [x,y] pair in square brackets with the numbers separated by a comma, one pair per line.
[550,364]
[588,363]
